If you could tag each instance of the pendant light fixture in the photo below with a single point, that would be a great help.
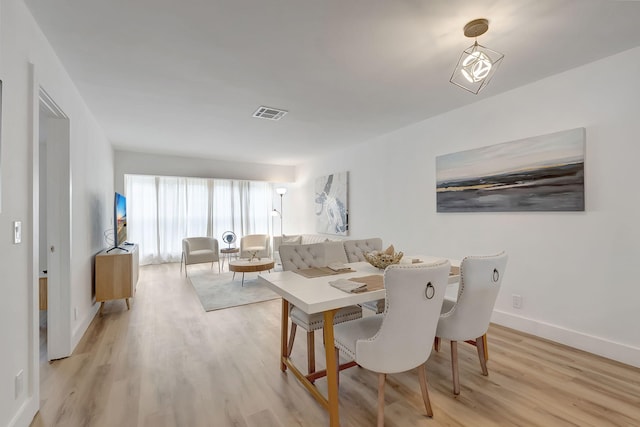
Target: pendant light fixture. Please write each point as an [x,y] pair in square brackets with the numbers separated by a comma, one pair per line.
[477,64]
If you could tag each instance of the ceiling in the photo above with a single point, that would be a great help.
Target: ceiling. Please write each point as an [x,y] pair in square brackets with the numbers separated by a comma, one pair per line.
[184,77]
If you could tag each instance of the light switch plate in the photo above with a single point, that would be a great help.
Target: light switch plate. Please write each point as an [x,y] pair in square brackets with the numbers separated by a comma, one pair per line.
[19,384]
[17,232]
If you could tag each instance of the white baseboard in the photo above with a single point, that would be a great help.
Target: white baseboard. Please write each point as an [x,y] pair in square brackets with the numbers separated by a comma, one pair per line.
[82,328]
[25,414]
[602,347]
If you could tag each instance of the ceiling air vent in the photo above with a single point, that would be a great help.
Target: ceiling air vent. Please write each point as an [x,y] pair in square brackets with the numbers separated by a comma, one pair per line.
[269,113]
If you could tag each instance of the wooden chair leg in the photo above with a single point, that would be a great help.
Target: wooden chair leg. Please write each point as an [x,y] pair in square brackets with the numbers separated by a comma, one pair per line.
[338,367]
[484,342]
[381,380]
[486,347]
[423,388]
[481,355]
[454,367]
[292,337]
[436,343]
[311,353]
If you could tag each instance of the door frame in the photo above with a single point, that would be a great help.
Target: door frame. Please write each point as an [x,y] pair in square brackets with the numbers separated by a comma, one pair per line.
[58,159]
[46,112]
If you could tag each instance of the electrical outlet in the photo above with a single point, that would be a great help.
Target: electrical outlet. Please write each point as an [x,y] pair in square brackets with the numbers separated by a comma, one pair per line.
[19,386]
[517,301]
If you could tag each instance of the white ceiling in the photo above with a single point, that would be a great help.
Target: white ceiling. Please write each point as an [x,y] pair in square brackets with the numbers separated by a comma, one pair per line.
[184,77]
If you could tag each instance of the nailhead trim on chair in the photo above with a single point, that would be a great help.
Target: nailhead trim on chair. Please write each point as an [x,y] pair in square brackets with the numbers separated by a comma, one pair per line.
[316,321]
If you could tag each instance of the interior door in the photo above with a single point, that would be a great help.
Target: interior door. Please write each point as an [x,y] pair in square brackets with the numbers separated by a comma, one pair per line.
[54,129]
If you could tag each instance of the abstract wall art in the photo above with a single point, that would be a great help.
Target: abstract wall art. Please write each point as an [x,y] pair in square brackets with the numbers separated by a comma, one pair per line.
[542,173]
[332,216]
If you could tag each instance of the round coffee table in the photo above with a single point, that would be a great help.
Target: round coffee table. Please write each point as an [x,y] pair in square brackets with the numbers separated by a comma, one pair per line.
[246,266]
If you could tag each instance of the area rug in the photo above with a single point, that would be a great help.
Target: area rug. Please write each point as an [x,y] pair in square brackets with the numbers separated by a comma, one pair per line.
[218,291]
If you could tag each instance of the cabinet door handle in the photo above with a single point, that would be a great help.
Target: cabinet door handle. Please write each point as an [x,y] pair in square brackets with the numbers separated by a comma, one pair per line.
[52,248]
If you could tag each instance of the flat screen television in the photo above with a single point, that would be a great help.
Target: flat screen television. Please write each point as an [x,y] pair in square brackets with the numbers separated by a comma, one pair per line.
[120,220]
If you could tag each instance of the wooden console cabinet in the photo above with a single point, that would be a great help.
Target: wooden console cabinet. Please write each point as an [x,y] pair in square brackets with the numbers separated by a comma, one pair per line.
[117,274]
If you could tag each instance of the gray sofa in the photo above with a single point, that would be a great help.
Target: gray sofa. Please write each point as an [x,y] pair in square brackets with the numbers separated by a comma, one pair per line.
[318,251]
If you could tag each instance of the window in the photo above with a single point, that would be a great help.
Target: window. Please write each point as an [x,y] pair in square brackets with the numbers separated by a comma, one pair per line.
[161,211]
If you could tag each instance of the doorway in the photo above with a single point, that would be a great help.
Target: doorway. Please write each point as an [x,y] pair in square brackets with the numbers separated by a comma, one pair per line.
[55,226]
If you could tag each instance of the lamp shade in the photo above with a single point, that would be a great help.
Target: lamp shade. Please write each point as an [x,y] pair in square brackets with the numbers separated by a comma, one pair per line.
[281,191]
[476,67]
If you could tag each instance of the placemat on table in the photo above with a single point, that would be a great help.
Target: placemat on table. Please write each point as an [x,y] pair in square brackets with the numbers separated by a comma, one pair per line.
[373,282]
[312,272]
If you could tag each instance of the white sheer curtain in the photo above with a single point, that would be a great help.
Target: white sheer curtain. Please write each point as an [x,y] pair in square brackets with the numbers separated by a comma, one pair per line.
[161,211]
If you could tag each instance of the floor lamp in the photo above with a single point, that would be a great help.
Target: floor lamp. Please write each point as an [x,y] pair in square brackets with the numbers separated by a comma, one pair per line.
[281,191]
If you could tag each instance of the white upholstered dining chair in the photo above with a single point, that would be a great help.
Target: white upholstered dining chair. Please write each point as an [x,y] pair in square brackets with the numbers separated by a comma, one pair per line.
[401,338]
[295,257]
[467,318]
[197,250]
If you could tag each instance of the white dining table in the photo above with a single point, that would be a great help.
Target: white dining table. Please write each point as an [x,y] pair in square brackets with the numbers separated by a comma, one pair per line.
[316,295]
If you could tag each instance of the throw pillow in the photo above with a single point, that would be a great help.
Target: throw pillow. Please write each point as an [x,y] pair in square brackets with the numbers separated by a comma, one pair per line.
[291,240]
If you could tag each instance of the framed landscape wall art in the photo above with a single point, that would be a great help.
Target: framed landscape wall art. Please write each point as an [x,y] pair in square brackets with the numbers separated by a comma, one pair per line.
[332,216]
[542,173]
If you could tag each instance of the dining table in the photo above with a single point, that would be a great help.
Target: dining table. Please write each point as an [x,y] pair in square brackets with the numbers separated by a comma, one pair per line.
[312,293]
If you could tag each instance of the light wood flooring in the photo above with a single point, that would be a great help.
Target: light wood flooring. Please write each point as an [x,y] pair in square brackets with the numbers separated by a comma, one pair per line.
[166,362]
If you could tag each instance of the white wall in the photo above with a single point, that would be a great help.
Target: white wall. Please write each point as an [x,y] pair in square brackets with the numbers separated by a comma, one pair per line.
[574,270]
[21,43]
[127,162]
